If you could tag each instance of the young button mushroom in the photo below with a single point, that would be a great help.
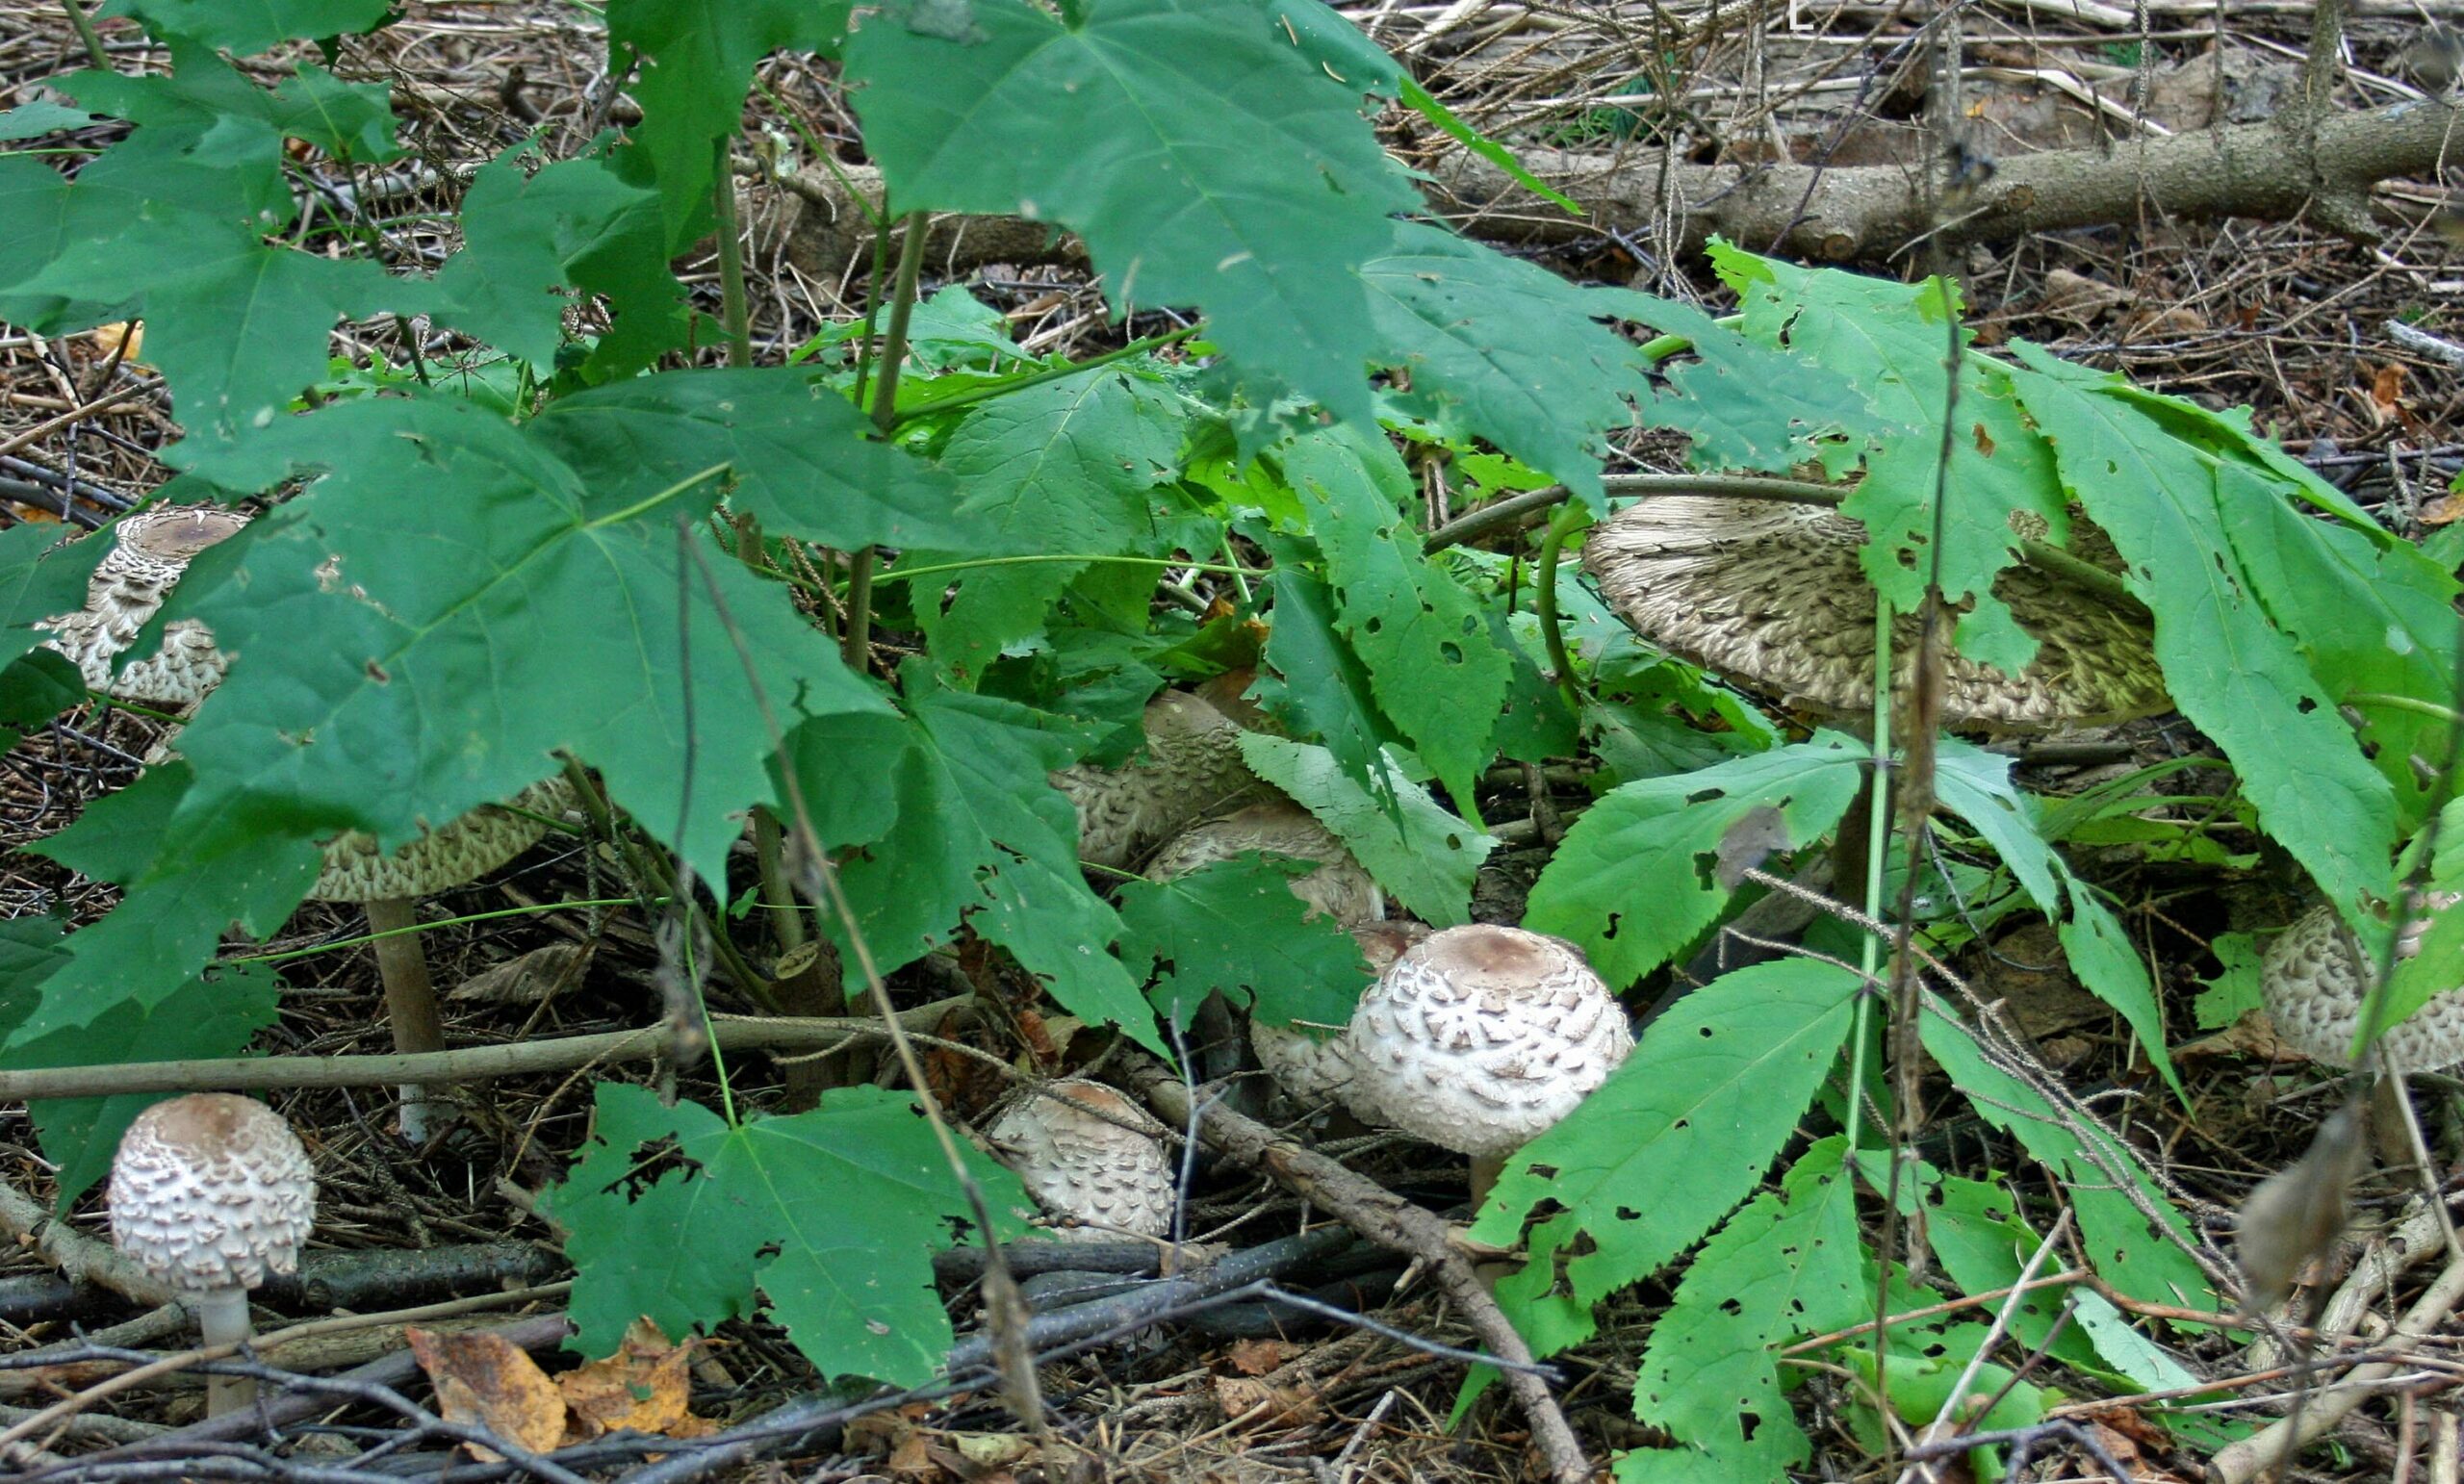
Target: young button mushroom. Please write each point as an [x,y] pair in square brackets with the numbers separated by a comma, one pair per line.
[388,886]
[212,1193]
[1479,1038]
[1083,1167]
[149,551]
[2314,984]
[1770,595]
[1192,768]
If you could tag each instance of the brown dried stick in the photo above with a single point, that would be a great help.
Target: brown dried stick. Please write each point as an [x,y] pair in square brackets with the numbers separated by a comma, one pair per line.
[1381,1216]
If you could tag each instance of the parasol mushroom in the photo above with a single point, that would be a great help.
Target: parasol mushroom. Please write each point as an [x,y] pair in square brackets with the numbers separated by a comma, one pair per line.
[1192,768]
[1339,889]
[1084,1168]
[213,1194]
[149,551]
[1770,595]
[1479,1038]
[1321,1071]
[2316,985]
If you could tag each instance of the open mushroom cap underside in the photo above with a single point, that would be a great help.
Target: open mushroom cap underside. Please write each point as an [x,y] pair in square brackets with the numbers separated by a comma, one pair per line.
[461,852]
[1770,593]
[149,552]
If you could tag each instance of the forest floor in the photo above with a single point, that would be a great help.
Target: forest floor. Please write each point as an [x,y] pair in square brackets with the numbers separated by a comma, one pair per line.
[2299,324]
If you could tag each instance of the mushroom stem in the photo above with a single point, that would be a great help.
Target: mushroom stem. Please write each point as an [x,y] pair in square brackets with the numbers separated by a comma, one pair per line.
[223,1318]
[1485,1171]
[410,998]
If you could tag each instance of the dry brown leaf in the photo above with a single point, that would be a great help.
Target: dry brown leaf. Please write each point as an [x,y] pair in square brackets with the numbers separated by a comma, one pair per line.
[1248,1401]
[2441,510]
[108,339]
[913,1459]
[531,978]
[484,1380]
[1257,1357]
[645,1386]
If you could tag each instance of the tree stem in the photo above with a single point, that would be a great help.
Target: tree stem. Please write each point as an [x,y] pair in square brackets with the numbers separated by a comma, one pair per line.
[731,261]
[86,33]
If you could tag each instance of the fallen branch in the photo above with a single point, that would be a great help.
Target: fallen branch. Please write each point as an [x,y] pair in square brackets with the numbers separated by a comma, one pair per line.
[1848,214]
[80,1256]
[468,1063]
[1392,1222]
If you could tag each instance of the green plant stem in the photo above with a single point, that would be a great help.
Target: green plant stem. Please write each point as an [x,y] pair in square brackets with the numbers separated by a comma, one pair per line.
[1084,558]
[2412,704]
[1544,605]
[650,868]
[856,646]
[86,33]
[732,303]
[974,394]
[864,350]
[788,922]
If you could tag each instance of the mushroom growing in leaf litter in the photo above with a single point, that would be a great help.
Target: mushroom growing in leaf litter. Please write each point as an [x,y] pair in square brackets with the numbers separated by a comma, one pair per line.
[1770,595]
[149,551]
[212,1195]
[1083,1167]
[2316,985]
[1192,768]
[1321,1071]
[1479,1038]
[388,886]
[1340,888]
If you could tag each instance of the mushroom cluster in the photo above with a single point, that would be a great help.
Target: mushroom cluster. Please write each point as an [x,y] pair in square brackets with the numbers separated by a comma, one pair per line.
[1192,768]
[1090,1159]
[212,1195]
[150,551]
[1771,595]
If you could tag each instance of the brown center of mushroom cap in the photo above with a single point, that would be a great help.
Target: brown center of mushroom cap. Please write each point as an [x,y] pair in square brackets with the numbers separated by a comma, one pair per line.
[185,532]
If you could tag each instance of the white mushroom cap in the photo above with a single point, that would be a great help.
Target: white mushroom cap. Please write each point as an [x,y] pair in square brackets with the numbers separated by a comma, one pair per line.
[465,850]
[1339,889]
[1770,593]
[2314,982]
[1192,768]
[149,551]
[1482,1037]
[1320,1071]
[1080,1165]
[212,1191]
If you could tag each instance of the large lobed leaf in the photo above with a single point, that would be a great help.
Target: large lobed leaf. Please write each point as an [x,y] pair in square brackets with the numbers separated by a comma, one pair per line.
[833,1215]
[1673,1140]
[1204,159]
[1236,927]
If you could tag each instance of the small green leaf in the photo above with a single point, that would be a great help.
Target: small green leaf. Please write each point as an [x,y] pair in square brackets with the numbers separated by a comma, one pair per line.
[245,30]
[1635,880]
[1424,855]
[1673,1140]
[1237,928]
[40,118]
[2234,991]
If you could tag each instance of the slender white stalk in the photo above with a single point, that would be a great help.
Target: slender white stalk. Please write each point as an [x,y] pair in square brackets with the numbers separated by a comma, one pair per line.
[223,1318]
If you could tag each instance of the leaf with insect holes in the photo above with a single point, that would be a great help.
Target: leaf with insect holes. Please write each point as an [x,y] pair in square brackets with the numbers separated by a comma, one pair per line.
[1424,855]
[981,835]
[1675,1139]
[2141,1256]
[737,1214]
[1204,159]
[1976,785]
[1634,880]
[2169,509]
[1423,637]
[1237,928]
[1786,1265]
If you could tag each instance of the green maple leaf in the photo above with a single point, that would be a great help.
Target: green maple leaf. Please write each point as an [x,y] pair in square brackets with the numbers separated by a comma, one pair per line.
[833,1215]
[1425,856]
[981,835]
[1204,159]
[244,30]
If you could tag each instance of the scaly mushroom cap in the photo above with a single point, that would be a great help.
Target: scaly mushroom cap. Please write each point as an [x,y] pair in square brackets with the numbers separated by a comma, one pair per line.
[462,851]
[1769,594]
[1192,768]
[1482,1037]
[1339,889]
[2314,982]
[1321,1070]
[149,551]
[212,1191]
[1076,1164]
